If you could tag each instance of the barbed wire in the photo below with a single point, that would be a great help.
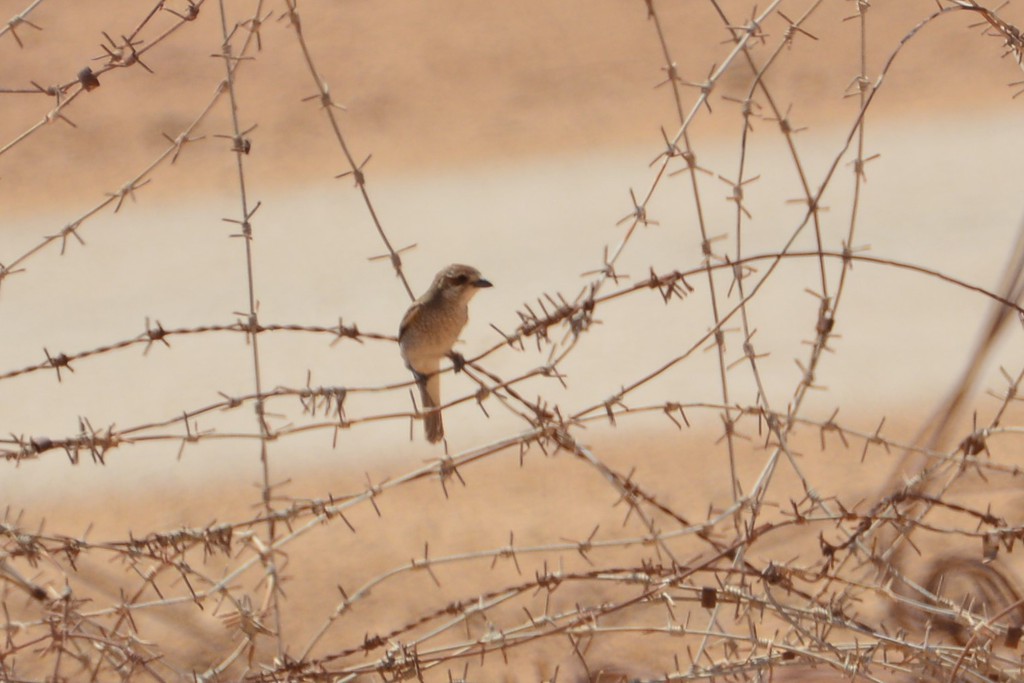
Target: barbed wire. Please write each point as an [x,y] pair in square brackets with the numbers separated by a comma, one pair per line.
[766,577]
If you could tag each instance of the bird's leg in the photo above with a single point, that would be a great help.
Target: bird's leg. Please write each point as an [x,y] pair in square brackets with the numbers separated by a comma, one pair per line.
[458,361]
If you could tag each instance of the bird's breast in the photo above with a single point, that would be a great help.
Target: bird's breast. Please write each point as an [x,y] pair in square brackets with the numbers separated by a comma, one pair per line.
[432,335]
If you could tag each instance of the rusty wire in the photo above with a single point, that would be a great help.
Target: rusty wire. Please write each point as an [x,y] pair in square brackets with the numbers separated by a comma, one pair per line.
[711,583]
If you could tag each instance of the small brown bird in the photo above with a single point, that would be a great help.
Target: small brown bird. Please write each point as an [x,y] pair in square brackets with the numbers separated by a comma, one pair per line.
[430,329]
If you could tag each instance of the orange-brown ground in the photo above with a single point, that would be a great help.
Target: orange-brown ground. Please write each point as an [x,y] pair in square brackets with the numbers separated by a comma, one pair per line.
[429,85]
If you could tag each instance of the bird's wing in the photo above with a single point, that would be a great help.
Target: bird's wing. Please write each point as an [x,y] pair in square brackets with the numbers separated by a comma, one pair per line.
[409,317]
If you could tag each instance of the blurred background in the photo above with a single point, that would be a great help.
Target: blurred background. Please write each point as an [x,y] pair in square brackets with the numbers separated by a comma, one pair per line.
[579,154]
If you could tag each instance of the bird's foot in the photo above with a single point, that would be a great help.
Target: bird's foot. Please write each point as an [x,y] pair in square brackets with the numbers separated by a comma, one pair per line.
[458,361]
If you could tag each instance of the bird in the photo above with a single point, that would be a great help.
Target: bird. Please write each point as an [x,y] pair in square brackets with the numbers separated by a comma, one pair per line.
[430,329]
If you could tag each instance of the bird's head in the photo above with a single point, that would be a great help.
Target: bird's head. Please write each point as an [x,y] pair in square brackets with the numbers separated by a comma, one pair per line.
[459,281]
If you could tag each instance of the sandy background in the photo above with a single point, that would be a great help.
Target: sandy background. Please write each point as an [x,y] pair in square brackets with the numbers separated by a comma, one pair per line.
[458,84]
[507,135]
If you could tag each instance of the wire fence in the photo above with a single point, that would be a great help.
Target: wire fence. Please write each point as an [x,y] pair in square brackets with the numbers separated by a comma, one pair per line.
[729,557]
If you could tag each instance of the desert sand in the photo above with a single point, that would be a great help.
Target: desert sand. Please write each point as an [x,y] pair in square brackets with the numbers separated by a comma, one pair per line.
[507,135]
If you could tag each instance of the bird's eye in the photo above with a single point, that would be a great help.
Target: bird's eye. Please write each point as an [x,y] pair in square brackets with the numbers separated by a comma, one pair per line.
[461,279]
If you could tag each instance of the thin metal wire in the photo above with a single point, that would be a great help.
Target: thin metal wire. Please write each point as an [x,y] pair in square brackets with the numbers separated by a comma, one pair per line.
[770,579]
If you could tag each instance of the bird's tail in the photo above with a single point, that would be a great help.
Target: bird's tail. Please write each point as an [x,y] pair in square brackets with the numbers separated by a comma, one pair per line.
[430,394]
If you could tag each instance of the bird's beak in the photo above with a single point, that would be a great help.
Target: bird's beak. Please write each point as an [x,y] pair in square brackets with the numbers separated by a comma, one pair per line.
[482,283]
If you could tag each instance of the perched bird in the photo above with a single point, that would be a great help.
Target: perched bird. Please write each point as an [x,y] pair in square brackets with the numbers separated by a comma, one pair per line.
[430,329]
